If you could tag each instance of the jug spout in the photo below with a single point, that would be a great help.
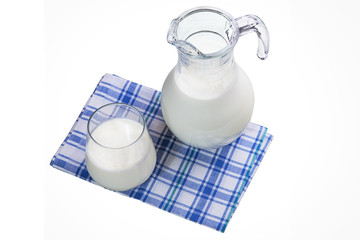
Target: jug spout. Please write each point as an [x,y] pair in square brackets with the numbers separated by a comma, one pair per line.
[182,45]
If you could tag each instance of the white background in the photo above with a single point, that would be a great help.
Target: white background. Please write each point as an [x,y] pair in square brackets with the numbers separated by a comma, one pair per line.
[307,94]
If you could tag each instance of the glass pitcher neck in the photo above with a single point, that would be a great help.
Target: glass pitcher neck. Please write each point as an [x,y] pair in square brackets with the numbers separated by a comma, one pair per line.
[205,78]
[211,32]
[204,66]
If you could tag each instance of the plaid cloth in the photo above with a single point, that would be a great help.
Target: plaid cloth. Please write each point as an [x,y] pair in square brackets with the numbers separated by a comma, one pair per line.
[200,185]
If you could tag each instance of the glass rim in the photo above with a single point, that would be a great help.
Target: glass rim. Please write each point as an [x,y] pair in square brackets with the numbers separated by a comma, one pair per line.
[121,104]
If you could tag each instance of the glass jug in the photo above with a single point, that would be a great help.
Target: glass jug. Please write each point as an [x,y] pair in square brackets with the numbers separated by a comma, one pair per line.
[207,99]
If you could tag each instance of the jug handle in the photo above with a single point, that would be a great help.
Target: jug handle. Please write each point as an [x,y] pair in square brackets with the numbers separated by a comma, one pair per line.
[252,23]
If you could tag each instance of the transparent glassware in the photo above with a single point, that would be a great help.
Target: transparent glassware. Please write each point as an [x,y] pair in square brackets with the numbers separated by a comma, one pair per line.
[120,154]
[207,99]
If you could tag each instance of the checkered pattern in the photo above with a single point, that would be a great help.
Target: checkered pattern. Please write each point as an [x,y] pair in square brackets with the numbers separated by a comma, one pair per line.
[200,185]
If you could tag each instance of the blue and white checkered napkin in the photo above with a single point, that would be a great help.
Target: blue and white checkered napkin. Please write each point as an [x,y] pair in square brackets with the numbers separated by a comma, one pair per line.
[199,185]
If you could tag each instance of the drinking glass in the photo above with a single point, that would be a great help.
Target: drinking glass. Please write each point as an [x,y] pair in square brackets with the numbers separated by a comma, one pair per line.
[120,154]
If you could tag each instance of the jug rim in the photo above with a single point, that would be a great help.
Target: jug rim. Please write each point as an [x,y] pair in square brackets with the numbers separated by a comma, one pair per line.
[188,48]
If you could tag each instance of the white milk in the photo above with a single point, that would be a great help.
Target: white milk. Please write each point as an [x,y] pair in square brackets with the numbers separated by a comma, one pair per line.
[120,166]
[196,105]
